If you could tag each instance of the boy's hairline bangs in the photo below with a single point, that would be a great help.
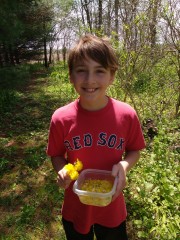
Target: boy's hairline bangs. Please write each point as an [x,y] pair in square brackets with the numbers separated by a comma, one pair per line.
[79,54]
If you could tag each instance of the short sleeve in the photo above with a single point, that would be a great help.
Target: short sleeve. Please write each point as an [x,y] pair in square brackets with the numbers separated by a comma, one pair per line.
[56,138]
[135,139]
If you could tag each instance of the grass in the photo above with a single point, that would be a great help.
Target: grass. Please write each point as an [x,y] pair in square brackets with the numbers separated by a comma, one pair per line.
[30,200]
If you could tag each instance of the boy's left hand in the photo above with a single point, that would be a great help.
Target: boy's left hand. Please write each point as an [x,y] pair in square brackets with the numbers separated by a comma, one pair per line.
[119,171]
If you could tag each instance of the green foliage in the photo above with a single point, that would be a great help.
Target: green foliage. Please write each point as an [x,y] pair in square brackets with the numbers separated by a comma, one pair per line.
[3,165]
[27,213]
[142,83]
[11,81]
[60,85]
[155,199]
[35,156]
[24,26]
[150,83]
[10,24]
[14,77]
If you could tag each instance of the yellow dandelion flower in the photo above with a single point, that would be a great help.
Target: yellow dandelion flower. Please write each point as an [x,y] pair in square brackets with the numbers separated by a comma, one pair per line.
[69,167]
[74,175]
[72,170]
[78,165]
[96,185]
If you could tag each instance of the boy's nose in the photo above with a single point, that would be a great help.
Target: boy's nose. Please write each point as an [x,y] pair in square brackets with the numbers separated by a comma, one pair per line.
[90,77]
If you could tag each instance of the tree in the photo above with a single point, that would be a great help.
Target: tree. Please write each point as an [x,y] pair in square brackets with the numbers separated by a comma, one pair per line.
[100,15]
[171,35]
[25,26]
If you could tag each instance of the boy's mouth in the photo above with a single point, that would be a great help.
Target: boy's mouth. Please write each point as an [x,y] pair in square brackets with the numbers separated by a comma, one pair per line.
[90,90]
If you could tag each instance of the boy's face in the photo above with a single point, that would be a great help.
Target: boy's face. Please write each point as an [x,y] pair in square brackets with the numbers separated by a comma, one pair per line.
[91,80]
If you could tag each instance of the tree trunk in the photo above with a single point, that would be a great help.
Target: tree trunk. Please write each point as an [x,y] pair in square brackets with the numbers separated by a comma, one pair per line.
[100,15]
[16,55]
[45,53]
[178,106]
[82,13]
[134,31]
[58,57]
[50,55]
[116,18]
[5,53]
[109,18]
[86,8]
[11,55]
[64,50]
[177,113]
[1,62]
[153,22]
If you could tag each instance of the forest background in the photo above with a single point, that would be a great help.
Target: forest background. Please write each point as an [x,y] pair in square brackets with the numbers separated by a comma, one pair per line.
[35,36]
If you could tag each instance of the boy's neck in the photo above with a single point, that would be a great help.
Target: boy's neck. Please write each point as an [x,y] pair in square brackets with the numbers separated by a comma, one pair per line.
[91,106]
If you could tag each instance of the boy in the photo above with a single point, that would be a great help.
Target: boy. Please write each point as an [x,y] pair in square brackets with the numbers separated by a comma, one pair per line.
[97,130]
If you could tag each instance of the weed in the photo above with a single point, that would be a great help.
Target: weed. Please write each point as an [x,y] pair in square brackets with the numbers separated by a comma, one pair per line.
[35,156]
[3,164]
[27,214]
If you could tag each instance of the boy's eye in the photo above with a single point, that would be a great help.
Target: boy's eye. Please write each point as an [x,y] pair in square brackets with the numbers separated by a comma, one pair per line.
[100,71]
[80,70]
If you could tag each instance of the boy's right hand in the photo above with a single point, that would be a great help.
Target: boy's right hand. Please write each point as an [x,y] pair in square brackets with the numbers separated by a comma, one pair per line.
[63,179]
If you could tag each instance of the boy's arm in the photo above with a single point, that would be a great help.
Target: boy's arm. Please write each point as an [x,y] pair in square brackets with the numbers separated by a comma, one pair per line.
[58,163]
[122,168]
[63,178]
[130,159]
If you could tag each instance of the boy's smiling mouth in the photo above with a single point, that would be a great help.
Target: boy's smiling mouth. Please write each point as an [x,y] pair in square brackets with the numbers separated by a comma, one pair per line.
[90,90]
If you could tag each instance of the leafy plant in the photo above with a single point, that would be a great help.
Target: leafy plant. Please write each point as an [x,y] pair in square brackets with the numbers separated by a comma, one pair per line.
[27,213]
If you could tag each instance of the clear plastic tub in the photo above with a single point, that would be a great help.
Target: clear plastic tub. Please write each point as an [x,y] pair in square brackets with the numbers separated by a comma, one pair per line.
[92,197]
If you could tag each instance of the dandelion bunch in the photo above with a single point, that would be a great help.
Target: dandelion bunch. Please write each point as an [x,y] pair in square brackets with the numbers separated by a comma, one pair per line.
[97,185]
[73,169]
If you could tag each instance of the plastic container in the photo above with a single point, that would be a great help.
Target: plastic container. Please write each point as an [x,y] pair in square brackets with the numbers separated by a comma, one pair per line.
[92,197]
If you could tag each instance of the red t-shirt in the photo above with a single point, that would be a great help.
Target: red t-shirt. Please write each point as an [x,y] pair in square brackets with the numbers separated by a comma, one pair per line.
[98,139]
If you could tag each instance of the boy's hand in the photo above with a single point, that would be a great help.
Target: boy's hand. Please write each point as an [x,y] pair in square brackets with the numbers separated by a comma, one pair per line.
[63,179]
[119,171]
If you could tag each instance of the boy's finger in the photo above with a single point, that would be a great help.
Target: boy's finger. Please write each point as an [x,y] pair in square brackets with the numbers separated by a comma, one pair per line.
[115,170]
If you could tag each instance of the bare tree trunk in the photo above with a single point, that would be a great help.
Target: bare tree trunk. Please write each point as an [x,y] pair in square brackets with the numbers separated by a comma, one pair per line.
[178,105]
[16,55]
[172,41]
[109,18]
[11,54]
[134,26]
[86,8]
[57,52]
[82,13]
[50,55]
[45,53]
[153,21]
[177,113]
[116,18]
[5,53]
[1,62]
[64,51]
[100,15]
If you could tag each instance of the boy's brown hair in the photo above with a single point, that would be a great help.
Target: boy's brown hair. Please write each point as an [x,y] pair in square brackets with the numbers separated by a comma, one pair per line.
[98,49]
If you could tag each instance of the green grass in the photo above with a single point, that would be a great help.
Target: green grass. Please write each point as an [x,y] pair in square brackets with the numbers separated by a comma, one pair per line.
[30,200]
